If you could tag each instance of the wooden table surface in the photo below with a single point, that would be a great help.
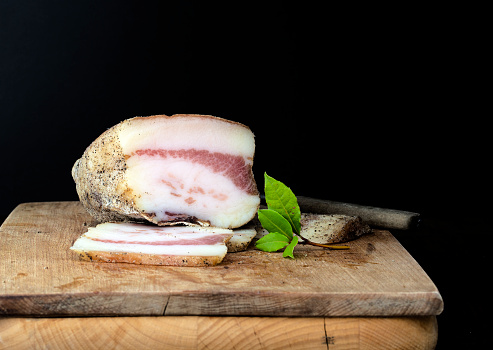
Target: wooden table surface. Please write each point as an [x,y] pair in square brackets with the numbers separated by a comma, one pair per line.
[362,287]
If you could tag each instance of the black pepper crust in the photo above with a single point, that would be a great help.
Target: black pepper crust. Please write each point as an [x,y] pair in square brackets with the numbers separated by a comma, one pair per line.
[99,176]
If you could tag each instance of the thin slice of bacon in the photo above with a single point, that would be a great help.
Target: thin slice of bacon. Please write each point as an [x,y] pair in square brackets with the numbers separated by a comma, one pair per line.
[145,244]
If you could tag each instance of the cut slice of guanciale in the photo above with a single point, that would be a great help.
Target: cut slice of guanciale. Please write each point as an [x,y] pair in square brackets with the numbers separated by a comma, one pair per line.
[153,245]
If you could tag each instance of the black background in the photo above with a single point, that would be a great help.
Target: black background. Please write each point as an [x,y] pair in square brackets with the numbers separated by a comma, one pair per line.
[380,106]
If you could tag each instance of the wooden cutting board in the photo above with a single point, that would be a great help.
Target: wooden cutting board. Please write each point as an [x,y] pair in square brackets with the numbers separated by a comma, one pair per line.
[40,276]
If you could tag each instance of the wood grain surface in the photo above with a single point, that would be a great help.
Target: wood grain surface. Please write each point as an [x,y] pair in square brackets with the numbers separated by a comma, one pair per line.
[199,332]
[40,276]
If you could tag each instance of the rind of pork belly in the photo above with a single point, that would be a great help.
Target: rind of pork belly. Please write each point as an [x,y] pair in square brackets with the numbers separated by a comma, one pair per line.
[149,259]
[103,187]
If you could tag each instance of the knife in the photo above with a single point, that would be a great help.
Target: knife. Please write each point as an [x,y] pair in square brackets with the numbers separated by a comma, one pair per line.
[373,216]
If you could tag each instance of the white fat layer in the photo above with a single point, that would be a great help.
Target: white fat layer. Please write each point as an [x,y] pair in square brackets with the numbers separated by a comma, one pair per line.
[177,133]
[182,187]
[146,233]
[86,244]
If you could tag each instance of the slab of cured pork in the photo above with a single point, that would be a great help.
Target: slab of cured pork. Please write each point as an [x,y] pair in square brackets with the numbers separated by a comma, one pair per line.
[189,169]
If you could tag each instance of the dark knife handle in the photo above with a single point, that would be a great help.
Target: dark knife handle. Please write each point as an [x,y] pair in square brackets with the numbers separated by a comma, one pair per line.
[374,216]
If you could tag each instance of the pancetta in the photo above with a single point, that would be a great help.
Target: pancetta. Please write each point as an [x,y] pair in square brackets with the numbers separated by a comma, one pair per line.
[190,169]
[153,245]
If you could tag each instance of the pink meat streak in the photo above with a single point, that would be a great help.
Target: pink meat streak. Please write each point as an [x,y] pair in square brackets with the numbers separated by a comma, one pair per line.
[230,166]
[206,240]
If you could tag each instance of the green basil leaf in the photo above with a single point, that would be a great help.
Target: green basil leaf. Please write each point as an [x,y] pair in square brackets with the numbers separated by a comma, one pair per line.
[272,242]
[272,221]
[288,252]
[281,199]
